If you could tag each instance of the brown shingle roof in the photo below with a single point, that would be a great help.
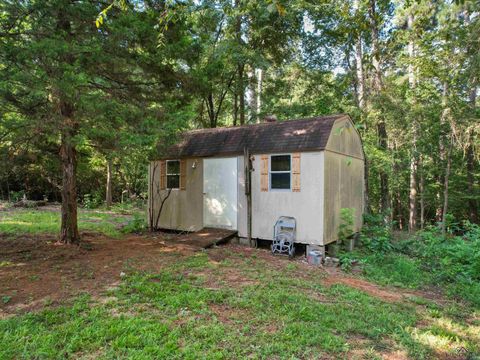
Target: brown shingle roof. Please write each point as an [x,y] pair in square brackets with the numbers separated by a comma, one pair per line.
[282,136]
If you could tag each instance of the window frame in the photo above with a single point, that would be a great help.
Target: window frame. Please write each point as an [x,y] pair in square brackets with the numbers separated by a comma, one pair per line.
[270,172]
[172,174]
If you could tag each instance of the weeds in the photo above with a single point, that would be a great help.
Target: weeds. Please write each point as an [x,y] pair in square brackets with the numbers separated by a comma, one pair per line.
[427,258]
[137,225]
[175,314]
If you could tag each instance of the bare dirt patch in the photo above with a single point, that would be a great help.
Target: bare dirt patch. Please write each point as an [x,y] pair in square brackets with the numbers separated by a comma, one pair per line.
[227,314]
[36,271]
[326,275]
[335,277]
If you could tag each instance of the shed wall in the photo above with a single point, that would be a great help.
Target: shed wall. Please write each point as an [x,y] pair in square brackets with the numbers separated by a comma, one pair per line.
[345,139]
[306,205]
[242,199]
[183,210]
[344,177]
[343,189]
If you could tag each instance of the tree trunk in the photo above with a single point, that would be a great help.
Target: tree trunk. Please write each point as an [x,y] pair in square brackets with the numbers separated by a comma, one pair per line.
[412,216]
[241,93]
[422,197]
[397,211]
[445,188]
[240,88]
[235,109]
[359,65]
[259,93]
[381,126]
[252,89]
[442,150]
[359,71]
[472,201]
[366,188]
[108,197]
[68,155]
[377,79]
[384,186]
[211,111]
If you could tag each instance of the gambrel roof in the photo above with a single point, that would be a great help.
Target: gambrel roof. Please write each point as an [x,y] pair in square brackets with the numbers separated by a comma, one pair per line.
[307,134]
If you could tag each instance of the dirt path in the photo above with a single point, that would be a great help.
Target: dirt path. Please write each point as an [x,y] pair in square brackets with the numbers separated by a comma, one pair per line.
[336,276]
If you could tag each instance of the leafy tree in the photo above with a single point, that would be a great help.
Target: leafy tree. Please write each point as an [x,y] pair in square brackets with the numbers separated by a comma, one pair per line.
[68,83]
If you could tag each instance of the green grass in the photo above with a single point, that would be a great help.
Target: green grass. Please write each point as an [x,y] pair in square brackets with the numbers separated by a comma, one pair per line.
[239,307]
[41,221]
[396,270]
[191,310]
[172,315]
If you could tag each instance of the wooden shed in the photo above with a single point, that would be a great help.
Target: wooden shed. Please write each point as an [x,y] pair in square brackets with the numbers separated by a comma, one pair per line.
[308,169]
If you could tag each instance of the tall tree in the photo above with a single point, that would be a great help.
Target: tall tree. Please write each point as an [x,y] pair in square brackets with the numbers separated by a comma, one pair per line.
[60,71]
[412,81]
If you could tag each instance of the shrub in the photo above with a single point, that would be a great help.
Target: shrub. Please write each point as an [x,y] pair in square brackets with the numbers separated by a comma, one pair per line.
[428,256]
[16,196]
[136,225]
[345,229]
[348,259]
[376,235]
[394,269]
[92,201]
[453,260]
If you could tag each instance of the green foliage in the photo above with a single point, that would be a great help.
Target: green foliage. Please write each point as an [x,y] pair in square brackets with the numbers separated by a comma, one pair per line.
[150,315]
[17,195]
[454,259]
[425,258]
[395,269]
[92,201]
[120,88]
[348,259]
[140,74]
[347,221]
[137,225]
[376,236]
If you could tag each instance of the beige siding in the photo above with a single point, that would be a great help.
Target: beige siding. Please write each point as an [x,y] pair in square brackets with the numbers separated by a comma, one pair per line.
[242,199]
[183,210]
[344,177]
[344,139]
[306,205]
[329,181]
[343,189]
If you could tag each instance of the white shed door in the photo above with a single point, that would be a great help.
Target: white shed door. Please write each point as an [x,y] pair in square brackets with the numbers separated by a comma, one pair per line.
[220,193]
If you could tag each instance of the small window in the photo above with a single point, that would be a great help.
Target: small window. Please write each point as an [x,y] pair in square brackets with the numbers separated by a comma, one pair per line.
[173,174]
[280,172]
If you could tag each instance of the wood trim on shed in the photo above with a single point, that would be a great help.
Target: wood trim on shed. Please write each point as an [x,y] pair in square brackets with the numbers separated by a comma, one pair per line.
[296,172]
[264,173]
[163,174]
[183,174]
